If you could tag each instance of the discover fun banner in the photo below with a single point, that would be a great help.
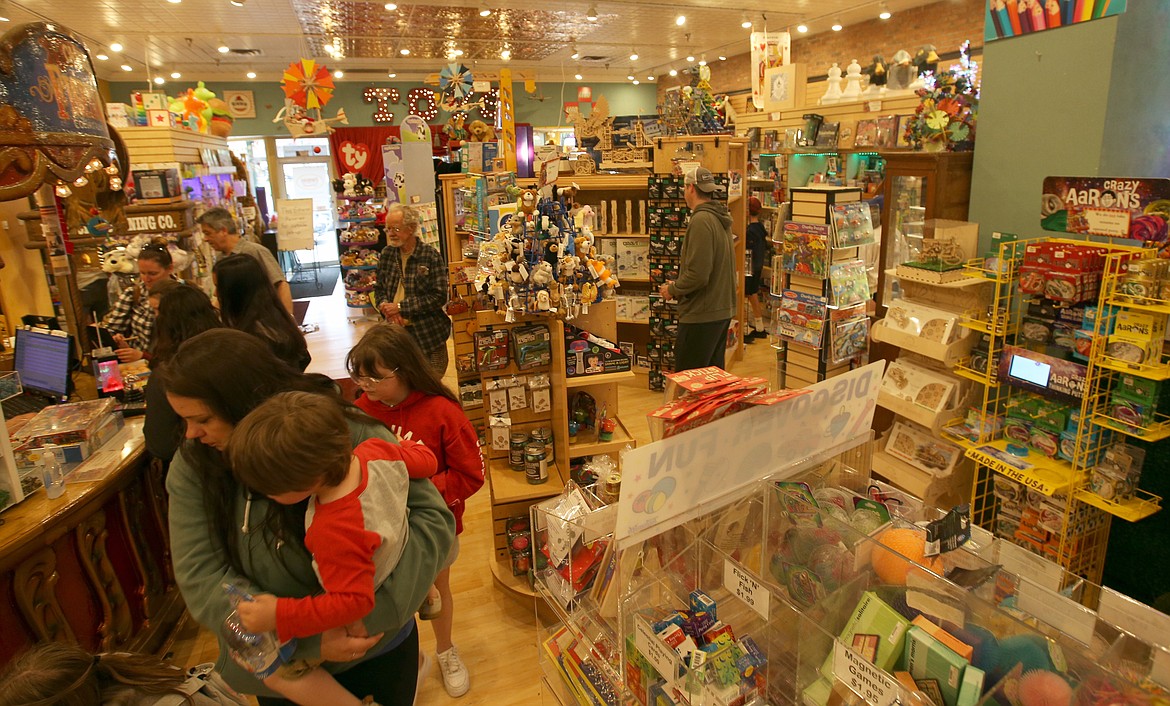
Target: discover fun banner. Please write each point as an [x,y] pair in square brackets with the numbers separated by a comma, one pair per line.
[1012,18]
[666,483]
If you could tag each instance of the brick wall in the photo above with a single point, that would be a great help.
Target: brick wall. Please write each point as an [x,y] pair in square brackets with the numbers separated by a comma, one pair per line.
[945,24]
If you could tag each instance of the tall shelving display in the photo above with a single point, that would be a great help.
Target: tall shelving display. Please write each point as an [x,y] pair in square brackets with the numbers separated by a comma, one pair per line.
[1069,520]
[359,244]
[511,494]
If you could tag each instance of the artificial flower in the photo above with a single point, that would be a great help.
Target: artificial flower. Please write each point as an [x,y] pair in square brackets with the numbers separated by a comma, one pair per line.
[937,120]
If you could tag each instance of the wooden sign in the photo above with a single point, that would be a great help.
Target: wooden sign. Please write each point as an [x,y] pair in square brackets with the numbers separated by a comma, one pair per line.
[162,219]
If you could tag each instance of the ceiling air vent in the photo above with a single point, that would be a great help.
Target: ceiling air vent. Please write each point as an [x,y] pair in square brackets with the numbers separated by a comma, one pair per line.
[596,59]
[246,52]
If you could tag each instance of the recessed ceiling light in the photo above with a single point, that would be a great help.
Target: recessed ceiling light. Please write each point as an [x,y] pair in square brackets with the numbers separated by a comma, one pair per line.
[577,76]
[703,62]
[224,49]
[236,3]
[630,76]
[802,28]
[674,72]
[174,2]
[176,75]
[884,14]
[159,80]
[127,67]
[680,20]
[338,73]
[251,74]
[576,54]
[746,22]
[457,52]
[723,58]
[634,55]
[591,15]
[115,47]
[506,54]
[649,78]
[690,59]
[391,74]
[404,51]
[101,57]
[836,26]
[484,10]
[391,6]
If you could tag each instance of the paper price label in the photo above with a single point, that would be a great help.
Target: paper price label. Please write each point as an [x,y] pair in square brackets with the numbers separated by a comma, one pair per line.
[1134,617]
[1062,613]
[863,678]
[746,588]
[661,657]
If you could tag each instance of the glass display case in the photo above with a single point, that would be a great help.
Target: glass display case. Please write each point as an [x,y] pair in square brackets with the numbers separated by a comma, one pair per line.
[907,216]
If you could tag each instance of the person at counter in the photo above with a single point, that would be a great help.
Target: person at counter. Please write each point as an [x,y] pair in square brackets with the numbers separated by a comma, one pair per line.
[183,312]
[222,532]
[131,320]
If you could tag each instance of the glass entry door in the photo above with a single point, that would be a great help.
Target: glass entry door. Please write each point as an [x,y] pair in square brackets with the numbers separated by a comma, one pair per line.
[306,169]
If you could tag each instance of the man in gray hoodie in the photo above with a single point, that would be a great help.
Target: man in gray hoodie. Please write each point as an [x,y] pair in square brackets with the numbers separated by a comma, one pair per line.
[705,288]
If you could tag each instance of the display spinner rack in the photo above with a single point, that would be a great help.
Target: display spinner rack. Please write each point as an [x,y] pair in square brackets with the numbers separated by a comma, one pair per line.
[1080,545]
[511,494]
[359,245]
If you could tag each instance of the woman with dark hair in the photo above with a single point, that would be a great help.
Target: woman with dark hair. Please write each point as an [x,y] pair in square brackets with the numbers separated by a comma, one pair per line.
[66,675]
[183,312]
[402,389]
[131,320]
[222,532]
[248,302]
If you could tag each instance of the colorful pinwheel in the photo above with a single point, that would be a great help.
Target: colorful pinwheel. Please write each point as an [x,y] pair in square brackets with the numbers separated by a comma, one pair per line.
[307,84]
[456,80]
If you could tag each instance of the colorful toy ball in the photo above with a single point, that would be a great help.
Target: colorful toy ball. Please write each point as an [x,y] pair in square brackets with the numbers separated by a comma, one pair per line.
[909,544]
[1040,687]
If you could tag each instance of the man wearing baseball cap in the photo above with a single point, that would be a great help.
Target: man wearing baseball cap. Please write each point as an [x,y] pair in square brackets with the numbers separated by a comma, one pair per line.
[705,288]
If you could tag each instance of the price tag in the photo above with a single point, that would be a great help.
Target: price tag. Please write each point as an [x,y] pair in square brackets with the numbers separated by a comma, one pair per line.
[863,678]
[1060,612]
[746,588]
[661,657]
[1137,618]
[1021,562]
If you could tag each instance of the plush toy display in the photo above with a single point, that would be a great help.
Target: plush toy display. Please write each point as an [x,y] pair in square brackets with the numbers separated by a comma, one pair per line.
[481,131]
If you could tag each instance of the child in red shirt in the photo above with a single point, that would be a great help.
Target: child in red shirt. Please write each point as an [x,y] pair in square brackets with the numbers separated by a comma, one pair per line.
[296,446]
[400,388]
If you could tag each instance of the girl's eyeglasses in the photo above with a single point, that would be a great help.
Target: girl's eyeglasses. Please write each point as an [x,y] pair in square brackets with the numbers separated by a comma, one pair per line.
[365,381]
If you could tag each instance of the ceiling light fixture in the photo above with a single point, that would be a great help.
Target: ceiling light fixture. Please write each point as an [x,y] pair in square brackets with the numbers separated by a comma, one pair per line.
[237,3]
[703,62]
[680,20]
[338,73]
[484,10]
[390,7]
[674,72]
[4,12]
[722,58]
[836,26]
[174,2]
[637,82]
[802,28]
[650,78]
[99,57]
[506,54]
[224,49]
[159,80]
[885,14]
[391,74]
[577,76]
[630,76]
[690,59]
[746,22]
[575,55]
[127,67]
[252,74]
[404,51]
[591,15]
[115,47]
[634,55]
[176,75]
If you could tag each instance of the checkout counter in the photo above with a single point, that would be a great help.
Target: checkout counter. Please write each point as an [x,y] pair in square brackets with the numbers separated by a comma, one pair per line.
[92,566]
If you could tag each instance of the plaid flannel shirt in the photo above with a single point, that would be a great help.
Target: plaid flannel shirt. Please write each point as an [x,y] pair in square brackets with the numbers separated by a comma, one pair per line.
[132,318]
[425,284]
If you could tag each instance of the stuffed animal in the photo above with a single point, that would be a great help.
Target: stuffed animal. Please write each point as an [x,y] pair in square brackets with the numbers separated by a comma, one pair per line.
[481,131]
[528,199]
[363,186]
[602,273]
[542,274]
[455,131]
[117,261]
[543,302]
[349,184]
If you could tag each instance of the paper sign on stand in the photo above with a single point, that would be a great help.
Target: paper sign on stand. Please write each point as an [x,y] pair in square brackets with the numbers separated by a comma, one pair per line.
[747,589]
[666,483]
[294,224]
[862,677]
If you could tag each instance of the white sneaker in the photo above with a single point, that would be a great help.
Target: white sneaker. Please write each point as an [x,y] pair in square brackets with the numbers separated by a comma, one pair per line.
[455,677]
[424,670]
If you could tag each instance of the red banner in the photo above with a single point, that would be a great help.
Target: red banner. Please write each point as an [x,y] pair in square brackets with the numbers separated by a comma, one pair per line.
[359,150]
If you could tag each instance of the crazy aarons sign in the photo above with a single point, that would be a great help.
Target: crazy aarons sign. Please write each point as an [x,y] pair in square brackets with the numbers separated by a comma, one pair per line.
[1118,207]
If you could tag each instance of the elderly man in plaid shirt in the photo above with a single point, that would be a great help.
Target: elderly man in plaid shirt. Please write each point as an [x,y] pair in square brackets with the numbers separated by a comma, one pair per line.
[411,288]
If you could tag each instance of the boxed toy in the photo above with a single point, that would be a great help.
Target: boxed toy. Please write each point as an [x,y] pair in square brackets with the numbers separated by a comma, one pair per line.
[158,183]
[586,354]
[478,156]
[77,428]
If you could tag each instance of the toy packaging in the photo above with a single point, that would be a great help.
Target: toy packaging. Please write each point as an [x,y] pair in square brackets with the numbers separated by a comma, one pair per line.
[587,354]
[805,248]
[533,346]
[77,428]
[850,285]
[492,349]
[852,225]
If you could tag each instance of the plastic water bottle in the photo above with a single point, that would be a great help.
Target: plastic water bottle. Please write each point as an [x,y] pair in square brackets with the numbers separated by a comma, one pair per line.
[261,654]
[51,473]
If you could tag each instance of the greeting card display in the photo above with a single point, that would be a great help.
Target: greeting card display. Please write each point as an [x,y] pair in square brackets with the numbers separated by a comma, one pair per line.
[805,248]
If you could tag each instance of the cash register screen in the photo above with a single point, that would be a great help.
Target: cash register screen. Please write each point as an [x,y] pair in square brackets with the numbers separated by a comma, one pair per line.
[42,359]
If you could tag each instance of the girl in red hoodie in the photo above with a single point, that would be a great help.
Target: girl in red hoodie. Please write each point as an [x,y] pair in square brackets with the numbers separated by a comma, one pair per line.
[401,389]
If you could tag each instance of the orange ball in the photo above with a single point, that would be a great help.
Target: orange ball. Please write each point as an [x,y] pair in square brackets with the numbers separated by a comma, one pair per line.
[908,543]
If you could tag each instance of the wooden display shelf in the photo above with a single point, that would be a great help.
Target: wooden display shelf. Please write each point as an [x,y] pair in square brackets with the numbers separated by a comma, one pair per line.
[149,145]
[633,321]
[918,482]
[621,235]
[1050,476]
[1136,508]
[502,575]
[621,437]
[604,181]
[948,353]
[598,379]
[509,486]
[934,421]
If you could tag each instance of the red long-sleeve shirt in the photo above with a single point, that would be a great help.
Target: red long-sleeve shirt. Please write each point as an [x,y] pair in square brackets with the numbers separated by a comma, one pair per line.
[357,539]
[439,423]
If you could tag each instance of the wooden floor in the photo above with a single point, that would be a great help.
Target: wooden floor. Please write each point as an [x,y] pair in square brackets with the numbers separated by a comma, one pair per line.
[494,631]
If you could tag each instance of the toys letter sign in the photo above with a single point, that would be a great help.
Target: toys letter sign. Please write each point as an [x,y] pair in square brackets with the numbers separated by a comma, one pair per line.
[1117,207]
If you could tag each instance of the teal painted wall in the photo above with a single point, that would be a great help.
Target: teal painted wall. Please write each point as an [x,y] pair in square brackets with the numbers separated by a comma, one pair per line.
[1044,107]
[624,99]
[1137,126]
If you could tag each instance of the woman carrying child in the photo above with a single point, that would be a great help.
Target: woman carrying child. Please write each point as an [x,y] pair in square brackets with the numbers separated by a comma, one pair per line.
[401,389]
